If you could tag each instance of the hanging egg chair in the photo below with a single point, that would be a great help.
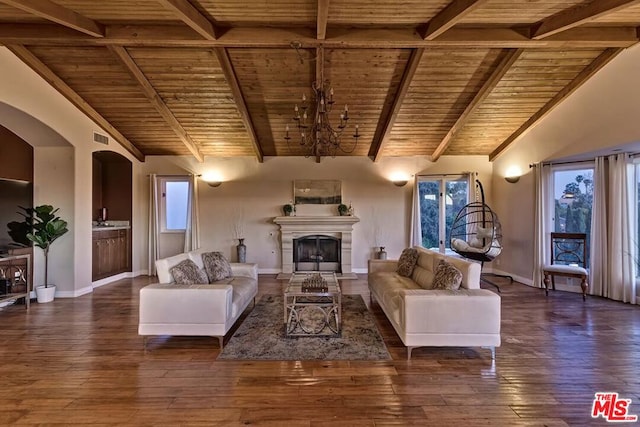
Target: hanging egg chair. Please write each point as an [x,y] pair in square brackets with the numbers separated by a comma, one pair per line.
[476,232]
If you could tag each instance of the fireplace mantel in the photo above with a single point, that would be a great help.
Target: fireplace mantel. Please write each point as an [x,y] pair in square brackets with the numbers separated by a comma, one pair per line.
[316,220]
[293,227]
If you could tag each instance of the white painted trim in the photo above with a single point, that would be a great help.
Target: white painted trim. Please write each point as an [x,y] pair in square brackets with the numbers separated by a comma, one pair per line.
[74,294]
[360,270]
[269,271]
[111,279]
[526,280]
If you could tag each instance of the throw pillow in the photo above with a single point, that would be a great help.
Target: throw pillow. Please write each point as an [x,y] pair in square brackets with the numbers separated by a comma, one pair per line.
[216,266]
[188,273]
[407,262]
[447,276]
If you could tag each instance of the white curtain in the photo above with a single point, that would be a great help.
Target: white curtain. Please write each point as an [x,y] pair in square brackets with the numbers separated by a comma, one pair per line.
[192,231]
[599,267]
[154,250]
[540,242]
[415,238]
[471,188]
[612,247]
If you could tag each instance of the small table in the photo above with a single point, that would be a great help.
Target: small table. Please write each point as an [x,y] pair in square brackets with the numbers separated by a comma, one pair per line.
[312,312]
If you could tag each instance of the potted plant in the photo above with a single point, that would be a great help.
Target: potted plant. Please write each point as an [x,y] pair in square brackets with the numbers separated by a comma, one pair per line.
[47,228]
[288,209]
[343,210]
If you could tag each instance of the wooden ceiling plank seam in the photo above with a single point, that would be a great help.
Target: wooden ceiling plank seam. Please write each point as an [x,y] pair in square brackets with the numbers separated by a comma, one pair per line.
[26,56]
[238,97]
[493,80]
[377,147]
[251,37]
[448,17]
[155,99]
[322,19]
[60,15]
[192,17]
[602,60]
[578,15]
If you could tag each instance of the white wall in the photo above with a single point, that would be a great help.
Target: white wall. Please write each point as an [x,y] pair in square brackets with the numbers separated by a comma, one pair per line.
[23,90]
[257,192]
[53,176]
[602,114]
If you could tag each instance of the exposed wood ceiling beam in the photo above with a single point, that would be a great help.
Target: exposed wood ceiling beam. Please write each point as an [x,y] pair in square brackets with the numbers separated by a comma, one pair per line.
[323,17]
[578,15]
[61,15]
[482,94]
[238,97]
[182,36]
[47,74]
[153,96]
[192,17]
[448,17]
[377,147]
[602,60]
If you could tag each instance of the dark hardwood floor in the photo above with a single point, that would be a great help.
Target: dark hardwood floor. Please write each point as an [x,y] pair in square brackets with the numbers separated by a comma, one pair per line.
[80,361]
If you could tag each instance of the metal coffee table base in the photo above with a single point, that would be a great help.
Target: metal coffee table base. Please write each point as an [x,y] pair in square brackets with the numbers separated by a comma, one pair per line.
[309,316]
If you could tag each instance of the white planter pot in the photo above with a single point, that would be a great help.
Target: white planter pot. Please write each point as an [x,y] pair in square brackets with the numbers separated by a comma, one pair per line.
[45,294]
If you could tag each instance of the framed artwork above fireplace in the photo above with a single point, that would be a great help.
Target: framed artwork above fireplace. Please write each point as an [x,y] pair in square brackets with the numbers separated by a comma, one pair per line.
[317,192]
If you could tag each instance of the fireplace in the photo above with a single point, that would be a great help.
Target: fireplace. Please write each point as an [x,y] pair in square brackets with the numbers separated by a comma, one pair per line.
[316,253]
[336,231]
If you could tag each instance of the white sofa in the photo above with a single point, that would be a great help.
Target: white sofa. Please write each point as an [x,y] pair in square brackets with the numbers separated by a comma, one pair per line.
[468,317]
[167,308]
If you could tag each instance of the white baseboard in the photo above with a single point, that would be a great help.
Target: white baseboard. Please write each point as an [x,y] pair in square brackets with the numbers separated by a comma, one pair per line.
[74,294]
[526,280]
[269,271]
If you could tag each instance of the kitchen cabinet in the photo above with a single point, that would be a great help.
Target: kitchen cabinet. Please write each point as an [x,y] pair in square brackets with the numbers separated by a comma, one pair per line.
[111,252]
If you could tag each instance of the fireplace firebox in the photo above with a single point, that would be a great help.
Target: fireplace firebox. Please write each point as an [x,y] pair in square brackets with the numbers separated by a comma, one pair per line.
[317,253]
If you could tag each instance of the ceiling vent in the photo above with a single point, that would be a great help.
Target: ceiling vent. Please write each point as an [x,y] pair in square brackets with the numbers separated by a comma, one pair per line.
[100,139]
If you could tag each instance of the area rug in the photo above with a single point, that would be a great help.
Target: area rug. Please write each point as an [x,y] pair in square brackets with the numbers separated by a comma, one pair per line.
[261,336]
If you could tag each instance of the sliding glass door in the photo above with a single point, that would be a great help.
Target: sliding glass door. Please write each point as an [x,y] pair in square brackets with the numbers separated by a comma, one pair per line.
[441,198]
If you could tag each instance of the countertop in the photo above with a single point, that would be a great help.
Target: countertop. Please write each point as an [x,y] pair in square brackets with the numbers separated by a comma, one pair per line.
[111,225]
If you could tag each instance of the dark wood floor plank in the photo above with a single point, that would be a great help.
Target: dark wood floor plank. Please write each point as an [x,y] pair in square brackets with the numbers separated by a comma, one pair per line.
[80,361]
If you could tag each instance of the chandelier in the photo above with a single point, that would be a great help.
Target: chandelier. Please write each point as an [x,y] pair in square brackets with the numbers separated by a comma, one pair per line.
[317,136]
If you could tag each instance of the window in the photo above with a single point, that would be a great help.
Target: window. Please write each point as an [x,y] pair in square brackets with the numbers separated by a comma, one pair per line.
[573,200]
[175,202]
[441,198]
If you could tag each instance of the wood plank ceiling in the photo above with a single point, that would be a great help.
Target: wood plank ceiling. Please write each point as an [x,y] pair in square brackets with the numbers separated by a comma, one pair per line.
[220,78]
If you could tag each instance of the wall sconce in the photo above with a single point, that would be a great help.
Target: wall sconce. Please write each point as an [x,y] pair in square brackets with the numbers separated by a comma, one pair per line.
[512,179]
[512,174]
[212,179]
[400,182]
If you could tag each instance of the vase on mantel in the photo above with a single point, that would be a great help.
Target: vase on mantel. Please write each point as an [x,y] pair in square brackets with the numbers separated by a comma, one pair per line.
[241,249]
[381,254]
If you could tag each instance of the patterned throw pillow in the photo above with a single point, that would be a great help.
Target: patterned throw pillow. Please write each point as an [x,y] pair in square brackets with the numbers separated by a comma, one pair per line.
[216,266]
[407,262]
[447,276]
[188,273]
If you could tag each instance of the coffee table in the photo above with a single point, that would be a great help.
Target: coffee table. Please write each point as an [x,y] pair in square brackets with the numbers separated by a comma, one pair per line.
[312,312]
